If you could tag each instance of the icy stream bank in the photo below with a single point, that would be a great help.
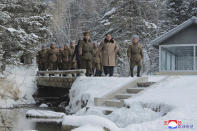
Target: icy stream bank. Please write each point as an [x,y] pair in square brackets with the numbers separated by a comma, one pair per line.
[18,86]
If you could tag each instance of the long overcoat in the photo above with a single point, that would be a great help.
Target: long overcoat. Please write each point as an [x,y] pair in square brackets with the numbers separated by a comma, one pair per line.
[109,50]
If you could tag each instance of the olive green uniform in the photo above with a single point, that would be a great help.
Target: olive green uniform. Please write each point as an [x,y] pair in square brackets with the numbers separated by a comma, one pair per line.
[64,56]
[72,59]
[41,59]
[52,57]
[135,55]
[86,53]
[97,61]
[59,61]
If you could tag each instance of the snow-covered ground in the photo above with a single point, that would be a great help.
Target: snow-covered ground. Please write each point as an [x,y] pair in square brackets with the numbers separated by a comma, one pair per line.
[178,93]
[18,86]
[89,128]
[174,99]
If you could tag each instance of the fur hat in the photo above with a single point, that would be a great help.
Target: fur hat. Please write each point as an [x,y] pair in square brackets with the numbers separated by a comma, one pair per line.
[135,36]
[86,33]
[72,42]
[43,46]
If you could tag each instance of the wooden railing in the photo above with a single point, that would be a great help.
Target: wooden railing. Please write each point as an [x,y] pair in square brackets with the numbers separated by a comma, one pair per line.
[79,72]
[60,79]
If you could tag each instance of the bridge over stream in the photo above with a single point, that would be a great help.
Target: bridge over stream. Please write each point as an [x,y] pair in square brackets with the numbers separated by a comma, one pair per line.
[53,86]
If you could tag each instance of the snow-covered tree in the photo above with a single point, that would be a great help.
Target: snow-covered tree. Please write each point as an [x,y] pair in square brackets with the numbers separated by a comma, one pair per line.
[128,17]
[23,26]
[179,11]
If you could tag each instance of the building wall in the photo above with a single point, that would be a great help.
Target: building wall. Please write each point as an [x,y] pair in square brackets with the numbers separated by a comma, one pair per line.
[186,36]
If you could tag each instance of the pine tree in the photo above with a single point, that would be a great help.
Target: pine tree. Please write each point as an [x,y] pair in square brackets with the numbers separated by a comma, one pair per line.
[179,11]
[23,26]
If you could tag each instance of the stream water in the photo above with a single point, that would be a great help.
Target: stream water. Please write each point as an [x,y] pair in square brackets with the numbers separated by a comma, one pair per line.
[16,119]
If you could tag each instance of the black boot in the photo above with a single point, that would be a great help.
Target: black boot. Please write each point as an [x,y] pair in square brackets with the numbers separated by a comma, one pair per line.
[100,73]
[88,74]
[138,71]
[106,70]
[131,70]
[96,73]
[111,71]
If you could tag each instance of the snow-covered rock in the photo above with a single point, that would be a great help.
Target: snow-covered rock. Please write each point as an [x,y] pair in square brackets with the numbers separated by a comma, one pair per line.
[44,114]
[44,105]
[93,120]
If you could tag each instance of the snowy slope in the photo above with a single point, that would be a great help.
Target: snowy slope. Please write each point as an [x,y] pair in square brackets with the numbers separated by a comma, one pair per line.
[175,96]
[179,94]
[84,89]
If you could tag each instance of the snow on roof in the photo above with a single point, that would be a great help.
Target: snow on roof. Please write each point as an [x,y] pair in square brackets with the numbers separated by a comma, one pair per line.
[156,42]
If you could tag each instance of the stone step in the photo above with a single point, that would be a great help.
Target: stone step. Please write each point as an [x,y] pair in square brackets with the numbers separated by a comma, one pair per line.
[114,103]
[123,96]
[145,84]
[134,90]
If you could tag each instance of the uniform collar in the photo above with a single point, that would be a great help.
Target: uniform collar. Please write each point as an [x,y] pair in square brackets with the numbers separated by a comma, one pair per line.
[135,43]
[86,40]
[109,41]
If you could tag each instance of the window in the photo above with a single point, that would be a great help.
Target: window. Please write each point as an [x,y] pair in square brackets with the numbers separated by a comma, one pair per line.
[177,58]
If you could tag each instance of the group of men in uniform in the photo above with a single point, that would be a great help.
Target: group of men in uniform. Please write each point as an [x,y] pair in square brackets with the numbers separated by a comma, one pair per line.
[56,59]
[84,55]
[87,55]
